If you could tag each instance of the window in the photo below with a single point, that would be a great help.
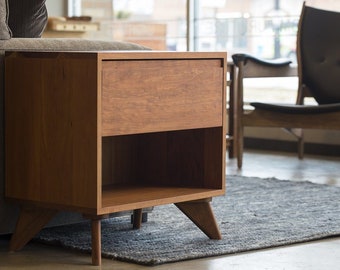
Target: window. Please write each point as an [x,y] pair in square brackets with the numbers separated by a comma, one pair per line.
[265,28]
[160,25]
[261,27]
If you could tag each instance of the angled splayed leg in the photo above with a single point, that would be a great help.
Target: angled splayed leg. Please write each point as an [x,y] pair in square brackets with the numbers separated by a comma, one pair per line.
[200,212]
[31,221]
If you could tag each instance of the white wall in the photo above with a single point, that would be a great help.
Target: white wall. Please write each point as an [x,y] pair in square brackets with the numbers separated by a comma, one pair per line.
[56,7]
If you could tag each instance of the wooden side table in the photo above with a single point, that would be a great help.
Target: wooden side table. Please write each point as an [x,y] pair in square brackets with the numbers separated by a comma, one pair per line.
[104,132]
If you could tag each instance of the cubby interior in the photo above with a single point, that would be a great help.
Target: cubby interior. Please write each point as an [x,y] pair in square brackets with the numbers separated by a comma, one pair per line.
[186,158]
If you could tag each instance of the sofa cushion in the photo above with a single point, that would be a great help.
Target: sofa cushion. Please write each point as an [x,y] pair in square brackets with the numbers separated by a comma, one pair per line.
[27,18]
[4,30]
[66,44]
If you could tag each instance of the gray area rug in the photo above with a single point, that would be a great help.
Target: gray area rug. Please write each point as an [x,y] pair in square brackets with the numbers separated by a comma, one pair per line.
[254,214]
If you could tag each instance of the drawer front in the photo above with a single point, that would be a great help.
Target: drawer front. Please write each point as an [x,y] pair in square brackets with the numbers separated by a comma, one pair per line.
[140,96]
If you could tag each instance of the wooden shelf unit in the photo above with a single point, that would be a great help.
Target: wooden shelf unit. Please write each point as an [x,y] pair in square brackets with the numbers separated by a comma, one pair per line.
[104,132]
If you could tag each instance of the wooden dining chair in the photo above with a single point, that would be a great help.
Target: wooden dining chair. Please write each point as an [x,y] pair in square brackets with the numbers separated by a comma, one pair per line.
[318,57]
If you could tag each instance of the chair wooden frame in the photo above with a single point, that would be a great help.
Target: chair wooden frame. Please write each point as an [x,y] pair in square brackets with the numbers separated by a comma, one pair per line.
[250,67]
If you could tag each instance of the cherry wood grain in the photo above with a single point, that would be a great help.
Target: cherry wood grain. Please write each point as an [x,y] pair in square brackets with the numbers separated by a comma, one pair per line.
[154,158]
[200,213]
[138,98]
[51,129]
[106,132]
[122,198]
[96,241]
[30,222]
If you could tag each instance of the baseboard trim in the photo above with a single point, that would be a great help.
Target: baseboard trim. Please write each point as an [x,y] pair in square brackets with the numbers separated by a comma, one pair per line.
[291,146]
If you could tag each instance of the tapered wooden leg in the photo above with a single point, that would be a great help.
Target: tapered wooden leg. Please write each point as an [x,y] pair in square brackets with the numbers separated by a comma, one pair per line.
[96,242]
[137,218]
[96,237]
[200,212]
[31,221]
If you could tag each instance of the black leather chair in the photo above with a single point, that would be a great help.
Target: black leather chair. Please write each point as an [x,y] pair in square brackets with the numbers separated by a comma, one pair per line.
[318,56]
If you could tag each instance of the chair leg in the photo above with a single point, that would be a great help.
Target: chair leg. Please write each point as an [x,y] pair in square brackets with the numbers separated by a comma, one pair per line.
[298,134]
[301,146]
[238,114]
[240,147]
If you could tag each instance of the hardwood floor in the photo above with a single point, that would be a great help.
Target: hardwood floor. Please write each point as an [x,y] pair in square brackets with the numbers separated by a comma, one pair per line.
[314,255]
[317,169]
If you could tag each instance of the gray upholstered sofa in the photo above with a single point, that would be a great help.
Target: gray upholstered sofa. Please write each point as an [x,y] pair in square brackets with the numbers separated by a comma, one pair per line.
[9,41]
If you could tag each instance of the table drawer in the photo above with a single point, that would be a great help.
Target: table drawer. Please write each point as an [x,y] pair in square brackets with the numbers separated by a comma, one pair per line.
[140,96]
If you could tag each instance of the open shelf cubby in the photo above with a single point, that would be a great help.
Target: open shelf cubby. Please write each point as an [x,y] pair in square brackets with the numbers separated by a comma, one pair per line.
[143,168]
